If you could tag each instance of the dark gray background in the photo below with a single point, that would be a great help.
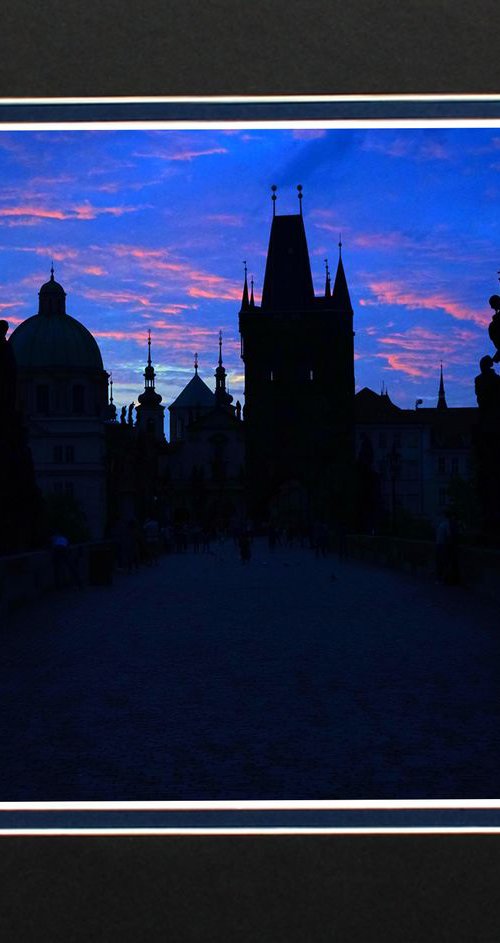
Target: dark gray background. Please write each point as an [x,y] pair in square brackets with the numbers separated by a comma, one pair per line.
[229,47]
[250,890]
[411,889]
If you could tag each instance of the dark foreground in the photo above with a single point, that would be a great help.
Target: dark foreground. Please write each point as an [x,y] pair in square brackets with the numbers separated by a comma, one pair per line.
[205,679]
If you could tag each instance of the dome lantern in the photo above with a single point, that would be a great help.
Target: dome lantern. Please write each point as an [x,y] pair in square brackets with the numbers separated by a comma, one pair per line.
[52,297]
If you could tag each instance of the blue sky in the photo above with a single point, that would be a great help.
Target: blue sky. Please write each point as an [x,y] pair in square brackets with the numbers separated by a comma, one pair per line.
[149,229]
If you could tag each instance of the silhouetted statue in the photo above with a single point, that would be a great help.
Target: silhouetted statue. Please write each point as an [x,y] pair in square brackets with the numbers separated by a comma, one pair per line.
[8,372]
[130,418]
[487,387]
[487,432]
[494,327]
[123,415]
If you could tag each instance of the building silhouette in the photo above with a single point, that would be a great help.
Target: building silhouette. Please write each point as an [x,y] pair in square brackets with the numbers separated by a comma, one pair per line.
[62,393]
[304,450]
[298,353]
[419,455]
[204,473]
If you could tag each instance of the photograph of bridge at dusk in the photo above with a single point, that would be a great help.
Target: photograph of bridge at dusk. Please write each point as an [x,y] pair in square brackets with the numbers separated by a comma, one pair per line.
[250,464]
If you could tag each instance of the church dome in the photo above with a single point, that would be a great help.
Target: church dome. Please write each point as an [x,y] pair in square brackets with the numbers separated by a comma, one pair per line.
[53,338]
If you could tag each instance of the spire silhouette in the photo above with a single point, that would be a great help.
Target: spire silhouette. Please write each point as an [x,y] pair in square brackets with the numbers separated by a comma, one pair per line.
[252,301]
[222,397]
[150,397]
[328,286]
[340,295]
[441,403]
[196,363]
[244,300]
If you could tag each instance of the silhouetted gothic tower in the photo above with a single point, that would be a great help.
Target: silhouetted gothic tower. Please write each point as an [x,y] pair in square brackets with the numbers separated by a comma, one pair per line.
[298,352]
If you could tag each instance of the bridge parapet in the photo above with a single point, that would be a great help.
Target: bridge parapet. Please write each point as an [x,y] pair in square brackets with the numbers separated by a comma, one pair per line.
[479,567]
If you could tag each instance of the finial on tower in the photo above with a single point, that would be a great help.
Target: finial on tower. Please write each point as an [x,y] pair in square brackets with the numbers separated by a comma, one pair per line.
[299,190]
[273,197]
[252,301]
[52,270]
[196,363]
[149,347]
[220,348]
[328,290]
[111,389]
[340,245]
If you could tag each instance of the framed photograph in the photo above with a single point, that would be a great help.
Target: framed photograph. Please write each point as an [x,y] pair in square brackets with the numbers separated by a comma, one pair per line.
[250,533]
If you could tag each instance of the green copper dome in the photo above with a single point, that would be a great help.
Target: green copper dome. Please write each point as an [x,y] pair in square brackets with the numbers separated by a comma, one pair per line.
[53,338]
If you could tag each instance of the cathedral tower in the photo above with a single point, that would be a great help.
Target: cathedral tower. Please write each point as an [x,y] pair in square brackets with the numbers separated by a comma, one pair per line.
[298,353]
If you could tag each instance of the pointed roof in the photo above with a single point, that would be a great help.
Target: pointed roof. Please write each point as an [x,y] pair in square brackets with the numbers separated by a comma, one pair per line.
[370,406]
[195,393]
[288,284]
[244,299]
[340,294]
[441,403]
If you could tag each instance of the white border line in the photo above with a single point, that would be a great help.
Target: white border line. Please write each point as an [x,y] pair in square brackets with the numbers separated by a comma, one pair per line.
[264,805]
[248,99]
[221,125]
[176,832]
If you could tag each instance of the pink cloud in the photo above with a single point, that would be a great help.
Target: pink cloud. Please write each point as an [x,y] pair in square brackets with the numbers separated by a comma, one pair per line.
[83,211]
[417,352]
[397,293]
[196,282]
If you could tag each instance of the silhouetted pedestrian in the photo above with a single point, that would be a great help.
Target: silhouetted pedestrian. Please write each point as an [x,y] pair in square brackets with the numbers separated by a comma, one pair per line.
[65,569]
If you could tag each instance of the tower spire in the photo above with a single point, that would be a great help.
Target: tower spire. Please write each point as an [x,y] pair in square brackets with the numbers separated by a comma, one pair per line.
[340,295]
[441,403]
[196,363]
[252,302]
[149,347]
[222,397]
[111,389]
[244,299]
[328,287]
[273,198]
[52,270]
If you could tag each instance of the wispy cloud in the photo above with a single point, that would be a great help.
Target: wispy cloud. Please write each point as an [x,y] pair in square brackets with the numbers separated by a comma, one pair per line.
[398,294]
[181,154]
[83,211]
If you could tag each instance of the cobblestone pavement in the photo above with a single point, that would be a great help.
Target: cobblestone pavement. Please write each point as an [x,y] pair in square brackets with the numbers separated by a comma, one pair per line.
[202,678]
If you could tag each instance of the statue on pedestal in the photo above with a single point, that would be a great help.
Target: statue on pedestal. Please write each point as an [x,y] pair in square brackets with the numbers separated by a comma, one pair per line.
[487,434]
